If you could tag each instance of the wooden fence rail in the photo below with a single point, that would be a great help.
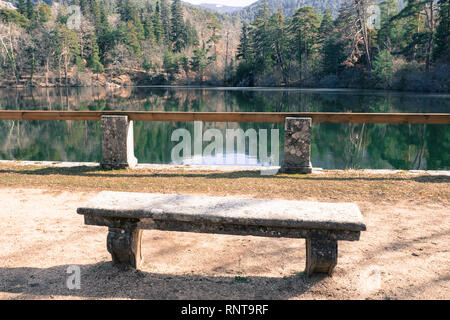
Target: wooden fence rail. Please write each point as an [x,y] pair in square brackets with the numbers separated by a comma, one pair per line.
[317,117]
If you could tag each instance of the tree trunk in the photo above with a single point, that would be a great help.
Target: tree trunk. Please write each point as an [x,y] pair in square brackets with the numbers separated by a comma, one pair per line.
[362,25]
[430,23]
[226,59]
[46,71]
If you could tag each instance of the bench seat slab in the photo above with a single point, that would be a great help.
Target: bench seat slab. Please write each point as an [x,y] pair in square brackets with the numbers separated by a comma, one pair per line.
[226,210]
[218,228]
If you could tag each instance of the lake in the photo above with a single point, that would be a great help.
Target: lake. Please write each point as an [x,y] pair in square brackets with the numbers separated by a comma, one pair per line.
[334,146]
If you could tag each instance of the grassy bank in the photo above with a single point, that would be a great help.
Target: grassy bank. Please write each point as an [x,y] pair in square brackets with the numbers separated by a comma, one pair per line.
[326,186]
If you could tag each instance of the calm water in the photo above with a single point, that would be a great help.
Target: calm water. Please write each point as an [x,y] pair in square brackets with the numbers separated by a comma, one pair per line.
[335,146]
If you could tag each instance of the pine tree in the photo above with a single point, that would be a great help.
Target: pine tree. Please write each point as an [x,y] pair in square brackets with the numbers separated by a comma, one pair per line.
[165,18]
[388,37]
[326,26]
[171,65]
[279,40]
[214,26]
[260,38]
[83,6]
[132,39]
[149,32]
[244,50]
[30,9]
[333,55]
[21,7]
[94,10]
[128,11]
[105,36]
[191,35]
[413,36]
[140,32]
[200,61]
[383,67]
[177,35]
[94,62]
[304,30]
[44,12]
[442,37]
[157,25]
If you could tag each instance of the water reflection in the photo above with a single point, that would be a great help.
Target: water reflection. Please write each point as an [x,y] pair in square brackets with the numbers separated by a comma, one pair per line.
[334,145]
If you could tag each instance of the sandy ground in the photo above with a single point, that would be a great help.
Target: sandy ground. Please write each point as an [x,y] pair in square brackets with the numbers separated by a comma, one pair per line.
[404,254]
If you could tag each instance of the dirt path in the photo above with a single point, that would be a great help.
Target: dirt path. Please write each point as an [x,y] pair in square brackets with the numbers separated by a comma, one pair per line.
[403,255]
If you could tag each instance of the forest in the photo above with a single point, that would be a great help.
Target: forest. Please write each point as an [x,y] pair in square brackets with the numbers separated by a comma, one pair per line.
[360,44]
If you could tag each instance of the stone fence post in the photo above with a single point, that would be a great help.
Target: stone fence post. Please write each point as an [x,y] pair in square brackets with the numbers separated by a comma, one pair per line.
[117,143]
[297,146]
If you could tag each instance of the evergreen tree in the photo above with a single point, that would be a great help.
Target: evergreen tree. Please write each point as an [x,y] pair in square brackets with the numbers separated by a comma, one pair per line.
[261,38]
[304,31]
[442,38]
[191,35]
[165,19]
[177,35]
[383,67]
[149,33]
[200,61]
[214,27]
[93,61]
[244,50]
[171,65]
[415,36]
[21,7]
[140,32]
[105,36]
[30,9]
[280,47]
[132,39]
[44,12]
[83,6]
[326,26]
[158,28]
[389,35]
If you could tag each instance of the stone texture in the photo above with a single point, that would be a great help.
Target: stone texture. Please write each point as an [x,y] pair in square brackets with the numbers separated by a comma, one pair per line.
[117,143]
[297,146]
[126,214]
[226,210]
[230,229]
[321,256]
[124,245]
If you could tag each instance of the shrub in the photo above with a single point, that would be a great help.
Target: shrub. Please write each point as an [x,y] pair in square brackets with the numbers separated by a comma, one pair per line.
[383,70]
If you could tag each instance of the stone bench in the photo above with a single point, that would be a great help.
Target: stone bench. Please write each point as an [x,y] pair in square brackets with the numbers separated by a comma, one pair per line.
[127,214]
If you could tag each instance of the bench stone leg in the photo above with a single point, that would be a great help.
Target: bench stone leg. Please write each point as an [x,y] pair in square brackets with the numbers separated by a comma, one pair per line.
[125,247]
[321,256]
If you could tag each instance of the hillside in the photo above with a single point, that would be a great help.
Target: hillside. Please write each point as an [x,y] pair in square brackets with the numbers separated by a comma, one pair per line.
[145,42]
[219,8]
[119,43]
[289,7]
[6,4]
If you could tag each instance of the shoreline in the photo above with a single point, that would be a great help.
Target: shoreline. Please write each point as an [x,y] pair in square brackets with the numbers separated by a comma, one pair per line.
[237,88]
[219,168]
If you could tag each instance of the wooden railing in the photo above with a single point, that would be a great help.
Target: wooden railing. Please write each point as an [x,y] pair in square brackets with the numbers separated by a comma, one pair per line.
[317,117]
